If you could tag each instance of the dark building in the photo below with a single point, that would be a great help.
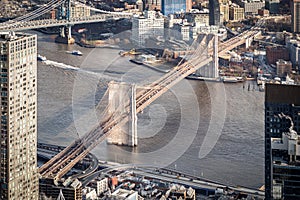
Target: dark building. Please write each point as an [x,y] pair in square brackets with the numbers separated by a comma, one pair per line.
[273,54]
[295,11]
[50,191]
[273,6]
[214,12]
[282,143]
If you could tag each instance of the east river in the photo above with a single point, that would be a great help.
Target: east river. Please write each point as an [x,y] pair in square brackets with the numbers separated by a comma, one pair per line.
[211,130]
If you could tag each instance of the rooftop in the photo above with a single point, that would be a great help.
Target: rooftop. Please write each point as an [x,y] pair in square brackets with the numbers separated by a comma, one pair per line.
[11,36]
[288,94]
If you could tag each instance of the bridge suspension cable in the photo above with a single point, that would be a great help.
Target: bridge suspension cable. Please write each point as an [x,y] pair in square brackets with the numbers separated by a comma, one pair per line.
[38,12]
[102,11]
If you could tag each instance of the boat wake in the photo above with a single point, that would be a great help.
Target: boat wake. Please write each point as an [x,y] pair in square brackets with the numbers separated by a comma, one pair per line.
[77,69]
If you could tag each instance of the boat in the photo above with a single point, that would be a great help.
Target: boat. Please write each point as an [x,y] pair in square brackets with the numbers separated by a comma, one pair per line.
[76,53]
[261,87]
[122,53]
[41,58]
[132,52]
[135,61]
[232,79]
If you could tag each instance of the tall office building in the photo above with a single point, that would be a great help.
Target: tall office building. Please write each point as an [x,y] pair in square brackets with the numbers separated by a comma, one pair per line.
[214,12]
[18,139]
[282,141]
[273,6]
[175,6]
[295,10]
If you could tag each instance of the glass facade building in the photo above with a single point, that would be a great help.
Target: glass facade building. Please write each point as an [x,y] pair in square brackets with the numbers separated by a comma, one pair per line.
[173,6]
[214,12]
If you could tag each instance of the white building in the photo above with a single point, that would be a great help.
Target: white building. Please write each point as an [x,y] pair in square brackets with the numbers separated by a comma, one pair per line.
[18,141]
[78,10]
[294,51]
[90,193]
[289,142]
[102,186]
[195,31]
[126,194]
[251,7]
[182,31]
[172,20]
[149,25]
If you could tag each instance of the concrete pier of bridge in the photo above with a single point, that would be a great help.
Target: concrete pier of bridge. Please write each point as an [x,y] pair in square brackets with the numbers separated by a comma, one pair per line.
[119,94]
[64,12]
[65,36]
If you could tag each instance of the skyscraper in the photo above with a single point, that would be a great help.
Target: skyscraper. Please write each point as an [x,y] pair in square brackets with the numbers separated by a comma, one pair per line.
[214,12]
[282,141]
[18,139]
[295,10]
[174,6]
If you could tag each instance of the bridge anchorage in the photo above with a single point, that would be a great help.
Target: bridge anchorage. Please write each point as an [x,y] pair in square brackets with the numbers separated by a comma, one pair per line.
[122,100]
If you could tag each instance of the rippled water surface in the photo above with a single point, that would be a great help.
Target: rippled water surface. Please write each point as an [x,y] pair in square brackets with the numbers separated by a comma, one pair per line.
[171,131]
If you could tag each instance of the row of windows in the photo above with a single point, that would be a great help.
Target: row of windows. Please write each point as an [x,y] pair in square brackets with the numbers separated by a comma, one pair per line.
[22,45]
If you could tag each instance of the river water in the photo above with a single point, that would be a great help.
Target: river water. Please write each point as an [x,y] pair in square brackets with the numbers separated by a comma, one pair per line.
[212,130]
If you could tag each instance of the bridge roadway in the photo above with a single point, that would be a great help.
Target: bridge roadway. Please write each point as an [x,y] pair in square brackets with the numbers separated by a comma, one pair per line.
[47,151]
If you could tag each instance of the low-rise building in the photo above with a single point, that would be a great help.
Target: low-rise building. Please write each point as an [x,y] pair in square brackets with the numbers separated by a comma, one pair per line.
[173,19]
[151,24]
[283,68]
[123,194]
[182,31]
[198,18]
[251,6]
[78,10]
[236,13]
[102,186]
[263,12]
[153,4]
[294,52]
[224,10]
